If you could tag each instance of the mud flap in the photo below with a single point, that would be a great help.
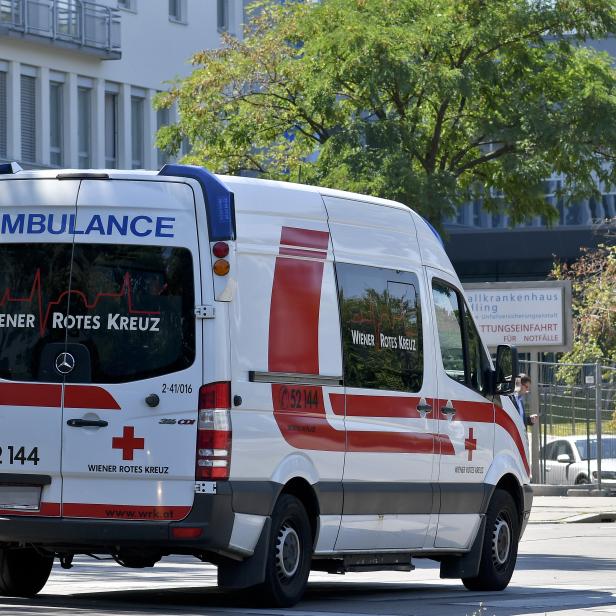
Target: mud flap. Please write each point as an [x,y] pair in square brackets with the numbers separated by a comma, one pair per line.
[249,572]
[467,565]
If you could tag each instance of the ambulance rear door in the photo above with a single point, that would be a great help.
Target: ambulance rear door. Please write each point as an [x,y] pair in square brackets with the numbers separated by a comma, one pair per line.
[130,408]
[36,220]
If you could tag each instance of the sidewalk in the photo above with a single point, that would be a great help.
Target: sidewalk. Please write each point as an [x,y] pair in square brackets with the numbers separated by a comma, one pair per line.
[570,509]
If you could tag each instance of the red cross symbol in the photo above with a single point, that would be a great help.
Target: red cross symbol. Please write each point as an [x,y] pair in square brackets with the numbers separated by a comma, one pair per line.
[470,444]
[128,443]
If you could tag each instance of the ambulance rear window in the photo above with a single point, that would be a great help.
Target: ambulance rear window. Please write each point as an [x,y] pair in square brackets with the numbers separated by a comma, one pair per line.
[125,311]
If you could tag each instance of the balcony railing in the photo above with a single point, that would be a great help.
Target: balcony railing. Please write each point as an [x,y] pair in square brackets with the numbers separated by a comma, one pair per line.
[71,23]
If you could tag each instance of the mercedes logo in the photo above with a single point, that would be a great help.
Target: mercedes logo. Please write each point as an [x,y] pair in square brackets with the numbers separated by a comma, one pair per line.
[65,363]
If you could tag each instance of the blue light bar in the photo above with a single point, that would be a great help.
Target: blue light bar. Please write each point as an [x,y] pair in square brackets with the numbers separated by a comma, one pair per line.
[438,235]
[219,201]
[9,168]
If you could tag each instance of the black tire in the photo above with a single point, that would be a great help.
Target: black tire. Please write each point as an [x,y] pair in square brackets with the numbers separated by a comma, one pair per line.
[23,571]
[500,545]
[581,480]
[289,555]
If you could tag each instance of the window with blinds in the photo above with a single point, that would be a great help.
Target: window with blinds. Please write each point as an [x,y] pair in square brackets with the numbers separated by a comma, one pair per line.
[138,128]
[111,130]
[3,137]
[84,110]
[56,124]
[28,118]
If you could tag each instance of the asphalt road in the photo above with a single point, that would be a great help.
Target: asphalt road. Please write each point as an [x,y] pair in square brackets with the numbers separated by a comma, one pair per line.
[562,568]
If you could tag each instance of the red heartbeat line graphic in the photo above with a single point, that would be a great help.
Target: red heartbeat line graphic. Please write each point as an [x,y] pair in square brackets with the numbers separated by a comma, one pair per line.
[37,291]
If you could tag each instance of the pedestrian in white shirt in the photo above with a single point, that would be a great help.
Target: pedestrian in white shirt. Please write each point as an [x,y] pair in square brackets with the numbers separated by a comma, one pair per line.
[519,397]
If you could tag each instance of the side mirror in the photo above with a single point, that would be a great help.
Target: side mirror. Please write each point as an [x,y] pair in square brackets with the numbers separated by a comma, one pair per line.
[506,369]
[564,458]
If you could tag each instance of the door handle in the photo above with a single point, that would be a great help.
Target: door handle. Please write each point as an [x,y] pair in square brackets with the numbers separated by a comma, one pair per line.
[423,409]
[448,410]
[87,423]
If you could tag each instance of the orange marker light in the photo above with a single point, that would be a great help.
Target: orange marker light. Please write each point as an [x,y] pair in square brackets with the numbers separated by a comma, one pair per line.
[221,267]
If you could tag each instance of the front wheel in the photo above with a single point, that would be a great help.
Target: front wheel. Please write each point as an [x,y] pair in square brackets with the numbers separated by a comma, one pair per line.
[23,571]
[581,480]
[289,555]
[500,545]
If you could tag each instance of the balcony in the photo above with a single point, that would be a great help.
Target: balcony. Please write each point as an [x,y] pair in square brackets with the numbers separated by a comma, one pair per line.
[73,24]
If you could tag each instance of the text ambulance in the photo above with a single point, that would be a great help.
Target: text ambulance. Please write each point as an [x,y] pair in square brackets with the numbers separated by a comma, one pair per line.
[273,378]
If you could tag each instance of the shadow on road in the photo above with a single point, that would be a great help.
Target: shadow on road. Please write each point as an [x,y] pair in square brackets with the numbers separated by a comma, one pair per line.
[337,596]
[564,562]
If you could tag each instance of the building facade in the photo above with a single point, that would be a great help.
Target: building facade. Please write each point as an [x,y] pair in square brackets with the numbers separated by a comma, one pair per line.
[77,77]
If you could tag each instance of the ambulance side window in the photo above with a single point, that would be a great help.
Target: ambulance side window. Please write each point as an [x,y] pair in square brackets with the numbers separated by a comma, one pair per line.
[463,355]
[449,325]
[381,328]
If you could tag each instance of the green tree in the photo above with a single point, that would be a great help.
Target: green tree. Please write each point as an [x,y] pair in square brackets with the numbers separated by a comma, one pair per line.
[593,285]
[428,102]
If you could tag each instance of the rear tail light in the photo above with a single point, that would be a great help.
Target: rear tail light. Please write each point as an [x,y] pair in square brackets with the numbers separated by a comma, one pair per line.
[214,432]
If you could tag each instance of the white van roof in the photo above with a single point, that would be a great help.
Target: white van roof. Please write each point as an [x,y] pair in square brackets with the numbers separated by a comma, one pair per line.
[431,245]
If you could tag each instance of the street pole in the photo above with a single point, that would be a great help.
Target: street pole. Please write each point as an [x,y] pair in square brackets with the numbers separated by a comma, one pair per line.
[598,396]
[534,410]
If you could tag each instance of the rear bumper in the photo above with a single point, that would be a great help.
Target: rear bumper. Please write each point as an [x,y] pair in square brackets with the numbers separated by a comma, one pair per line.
[212,514]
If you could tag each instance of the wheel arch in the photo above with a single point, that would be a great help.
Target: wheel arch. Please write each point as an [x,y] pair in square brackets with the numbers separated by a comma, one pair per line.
[305,493]
[509,483]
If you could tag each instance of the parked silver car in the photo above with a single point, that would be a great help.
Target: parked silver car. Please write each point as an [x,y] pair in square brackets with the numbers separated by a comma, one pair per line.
[571,460]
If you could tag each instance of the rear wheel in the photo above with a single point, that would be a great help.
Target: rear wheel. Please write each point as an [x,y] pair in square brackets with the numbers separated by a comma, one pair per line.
[581,480]
[500,545]
[289,555]
[23,571]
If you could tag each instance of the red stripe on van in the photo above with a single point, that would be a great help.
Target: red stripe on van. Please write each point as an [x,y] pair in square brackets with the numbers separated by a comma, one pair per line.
[88,397]
[467,410]
[47,395]
[375,406]
[30,394]
[304,238]
[400,442]
[294,313]
[300,414]
[125,512]
[50,510]
[504,420]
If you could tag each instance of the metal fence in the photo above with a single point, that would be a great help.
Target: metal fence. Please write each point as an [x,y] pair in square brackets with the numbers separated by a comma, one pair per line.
[576,431]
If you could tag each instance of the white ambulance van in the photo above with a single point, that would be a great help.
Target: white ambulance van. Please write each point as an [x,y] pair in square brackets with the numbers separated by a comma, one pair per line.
[270,377]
